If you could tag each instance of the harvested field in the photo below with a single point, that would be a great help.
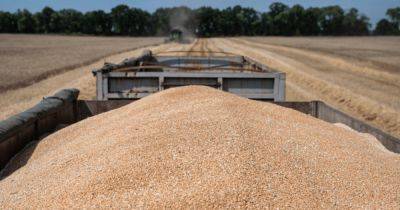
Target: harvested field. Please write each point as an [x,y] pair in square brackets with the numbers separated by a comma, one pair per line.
[26,59]
[383,52]
[200,147]
[356,75]
[18,100]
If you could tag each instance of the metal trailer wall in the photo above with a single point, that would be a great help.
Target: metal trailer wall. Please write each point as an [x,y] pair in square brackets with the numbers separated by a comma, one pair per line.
[18,131]
[235,74]
[330,114]
[135,85]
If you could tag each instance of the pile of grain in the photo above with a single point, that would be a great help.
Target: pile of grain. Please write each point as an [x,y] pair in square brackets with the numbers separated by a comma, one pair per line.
[196,146]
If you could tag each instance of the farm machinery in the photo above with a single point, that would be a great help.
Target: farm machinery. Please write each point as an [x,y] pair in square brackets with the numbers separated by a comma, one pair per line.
[120,84]
[177,35]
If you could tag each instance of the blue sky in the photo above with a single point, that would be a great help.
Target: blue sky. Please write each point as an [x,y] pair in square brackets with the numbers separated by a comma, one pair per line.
[375,9]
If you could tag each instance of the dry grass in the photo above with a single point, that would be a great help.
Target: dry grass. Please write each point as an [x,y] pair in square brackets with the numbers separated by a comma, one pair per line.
[198,147]
[27,58]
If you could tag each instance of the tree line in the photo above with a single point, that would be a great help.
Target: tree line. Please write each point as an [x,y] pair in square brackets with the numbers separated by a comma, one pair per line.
[204,21]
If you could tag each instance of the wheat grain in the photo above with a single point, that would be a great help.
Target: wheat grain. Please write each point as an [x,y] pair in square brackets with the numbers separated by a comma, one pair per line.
[200,147]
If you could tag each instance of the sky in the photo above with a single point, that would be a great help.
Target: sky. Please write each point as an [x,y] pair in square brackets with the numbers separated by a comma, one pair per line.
[374,9]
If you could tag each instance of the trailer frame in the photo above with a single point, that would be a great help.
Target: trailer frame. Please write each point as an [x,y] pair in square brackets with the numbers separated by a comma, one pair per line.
[139,77]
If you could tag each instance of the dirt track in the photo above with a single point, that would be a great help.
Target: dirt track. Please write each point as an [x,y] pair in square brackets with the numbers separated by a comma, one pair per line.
[367,90]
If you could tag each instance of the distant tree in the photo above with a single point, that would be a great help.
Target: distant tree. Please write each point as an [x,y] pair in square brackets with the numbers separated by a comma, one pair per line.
[391,26]
[232,21]
[55,23]
[394,15]
[311,24]
[207,20]
[120,19]
[355,24]
[43,20]
[332,21]
[8,22]
[385,27]
[131,21]
[160,22]
[25,22]
[70,21]
[97,23]
[249,19]
[297,20]
[140,22]
[363,26]
[277,8]
[227,22]
[265,25]
[279,16]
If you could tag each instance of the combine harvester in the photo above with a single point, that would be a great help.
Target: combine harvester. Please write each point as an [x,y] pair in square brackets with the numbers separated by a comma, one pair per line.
[120,84]
[177,35]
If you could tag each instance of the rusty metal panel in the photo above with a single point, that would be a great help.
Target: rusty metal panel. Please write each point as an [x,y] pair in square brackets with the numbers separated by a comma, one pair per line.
[281,94]
[105,86]
[133,84]
[254,86]
[182,81]
[99,85]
